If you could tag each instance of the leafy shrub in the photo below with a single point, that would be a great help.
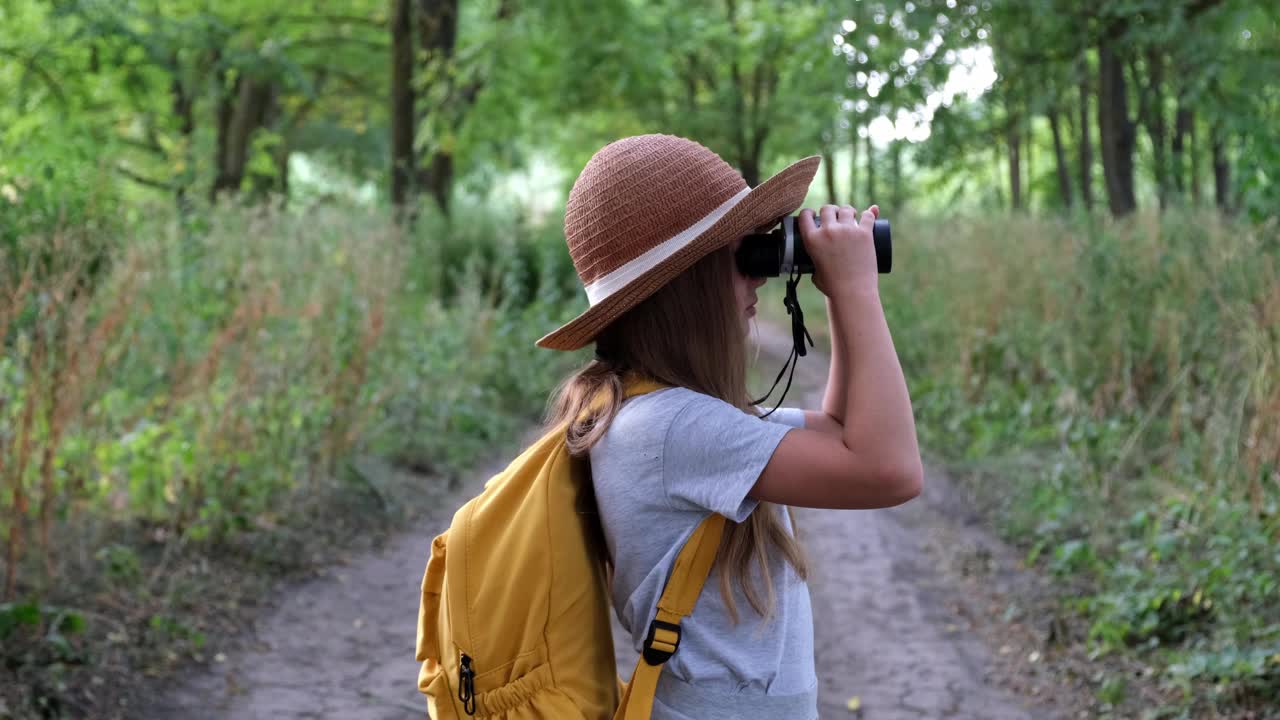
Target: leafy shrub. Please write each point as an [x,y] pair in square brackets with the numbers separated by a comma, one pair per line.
[1111,386]
[229,359]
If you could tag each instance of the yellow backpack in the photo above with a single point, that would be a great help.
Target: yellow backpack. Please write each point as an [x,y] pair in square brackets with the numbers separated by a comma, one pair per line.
[514,617]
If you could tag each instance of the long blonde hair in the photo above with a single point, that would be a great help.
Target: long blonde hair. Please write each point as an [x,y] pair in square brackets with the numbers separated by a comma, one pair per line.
[687,334]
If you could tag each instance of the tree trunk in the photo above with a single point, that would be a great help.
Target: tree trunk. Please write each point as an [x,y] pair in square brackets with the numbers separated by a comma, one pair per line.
[254,106]
[1194,180]
[761,133]
[226,108]
[1221,167]
[184,111]
[439,174]
[999,172]
[1028,152]
[749,166]
[264,112]
[829,171]
[740,124]
[437,23]
[238,132]
[1060,158]
[1086,141]
[1181,127]
[1014,138]
[1116,131]
[282,171]
[402,107]
[748,137]
[1151,102]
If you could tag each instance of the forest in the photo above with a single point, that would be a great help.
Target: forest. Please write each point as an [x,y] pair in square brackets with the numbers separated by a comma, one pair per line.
[266,268]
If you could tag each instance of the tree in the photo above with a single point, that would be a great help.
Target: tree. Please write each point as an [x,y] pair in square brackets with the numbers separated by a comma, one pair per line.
[1116,129]
[190,99]
[1085,143]
[403,116]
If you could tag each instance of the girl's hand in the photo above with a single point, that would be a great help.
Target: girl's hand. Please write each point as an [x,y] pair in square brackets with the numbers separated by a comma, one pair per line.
[843,251]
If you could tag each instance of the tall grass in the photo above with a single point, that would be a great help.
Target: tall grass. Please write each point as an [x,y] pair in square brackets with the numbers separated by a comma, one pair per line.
[1116,388]
[197,379]
[1170,328]
[193,404]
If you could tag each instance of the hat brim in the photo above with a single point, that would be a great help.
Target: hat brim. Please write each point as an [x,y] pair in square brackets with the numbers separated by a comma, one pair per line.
[780,195]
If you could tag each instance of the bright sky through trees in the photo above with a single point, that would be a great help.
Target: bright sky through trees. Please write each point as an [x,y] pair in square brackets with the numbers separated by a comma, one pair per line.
[972,73]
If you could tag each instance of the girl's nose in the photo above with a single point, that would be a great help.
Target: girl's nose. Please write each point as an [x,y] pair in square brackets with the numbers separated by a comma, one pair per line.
[758,281]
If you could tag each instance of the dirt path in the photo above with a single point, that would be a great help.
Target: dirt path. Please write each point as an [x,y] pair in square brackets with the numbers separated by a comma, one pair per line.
[338,646]
[893,629]
[887,629]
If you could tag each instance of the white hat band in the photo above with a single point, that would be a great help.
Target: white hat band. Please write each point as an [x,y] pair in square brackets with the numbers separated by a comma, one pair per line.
[623,275]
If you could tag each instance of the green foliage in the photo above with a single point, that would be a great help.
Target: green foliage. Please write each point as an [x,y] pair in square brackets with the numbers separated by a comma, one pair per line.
[120,563]
[227,363]
[170,632]
[107,103]
[253,355]
[1110,387]
[40,641]
[1112,690]
[495,287]
[110,102]
[1254,672]
[187,367]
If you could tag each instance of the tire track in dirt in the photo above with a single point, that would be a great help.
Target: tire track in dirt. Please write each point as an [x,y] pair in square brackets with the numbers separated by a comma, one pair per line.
[341,645]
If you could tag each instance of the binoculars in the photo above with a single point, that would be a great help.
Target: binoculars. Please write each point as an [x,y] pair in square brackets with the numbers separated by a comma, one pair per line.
[782,252]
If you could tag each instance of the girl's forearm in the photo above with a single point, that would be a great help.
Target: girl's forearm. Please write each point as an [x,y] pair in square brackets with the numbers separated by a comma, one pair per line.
[833,401]
[877,418]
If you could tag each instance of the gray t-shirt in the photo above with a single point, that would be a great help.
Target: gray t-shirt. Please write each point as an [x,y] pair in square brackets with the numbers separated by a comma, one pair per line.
[669,459]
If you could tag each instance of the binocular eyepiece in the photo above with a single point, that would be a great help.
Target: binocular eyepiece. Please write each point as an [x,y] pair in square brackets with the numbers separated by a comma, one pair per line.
[782,251]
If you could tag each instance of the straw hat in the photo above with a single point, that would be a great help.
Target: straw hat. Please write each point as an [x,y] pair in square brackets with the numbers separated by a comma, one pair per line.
[648,207]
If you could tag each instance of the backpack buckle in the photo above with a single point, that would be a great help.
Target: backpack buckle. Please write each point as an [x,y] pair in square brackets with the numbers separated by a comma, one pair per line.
[662,642]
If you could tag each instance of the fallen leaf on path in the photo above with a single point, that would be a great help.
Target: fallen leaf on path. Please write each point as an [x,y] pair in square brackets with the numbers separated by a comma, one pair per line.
[854,704]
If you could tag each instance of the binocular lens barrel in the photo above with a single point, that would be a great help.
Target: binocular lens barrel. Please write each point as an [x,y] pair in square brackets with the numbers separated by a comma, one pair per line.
[782,251]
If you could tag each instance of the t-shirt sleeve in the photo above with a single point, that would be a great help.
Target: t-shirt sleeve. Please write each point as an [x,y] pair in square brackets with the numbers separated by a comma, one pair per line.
[787,416]
[713,454]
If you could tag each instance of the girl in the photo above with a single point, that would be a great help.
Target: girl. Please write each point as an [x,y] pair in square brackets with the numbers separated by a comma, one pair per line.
[652,224]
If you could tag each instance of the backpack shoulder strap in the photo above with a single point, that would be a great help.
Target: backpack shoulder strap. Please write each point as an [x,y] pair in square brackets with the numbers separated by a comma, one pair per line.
[678,598]
[638,385]
[633,385]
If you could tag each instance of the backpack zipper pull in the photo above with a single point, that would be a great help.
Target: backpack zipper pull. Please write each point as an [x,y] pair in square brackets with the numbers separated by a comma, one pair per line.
[467,685]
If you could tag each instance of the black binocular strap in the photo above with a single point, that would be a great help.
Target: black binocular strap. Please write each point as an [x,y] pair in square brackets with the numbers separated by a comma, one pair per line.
[799,334]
